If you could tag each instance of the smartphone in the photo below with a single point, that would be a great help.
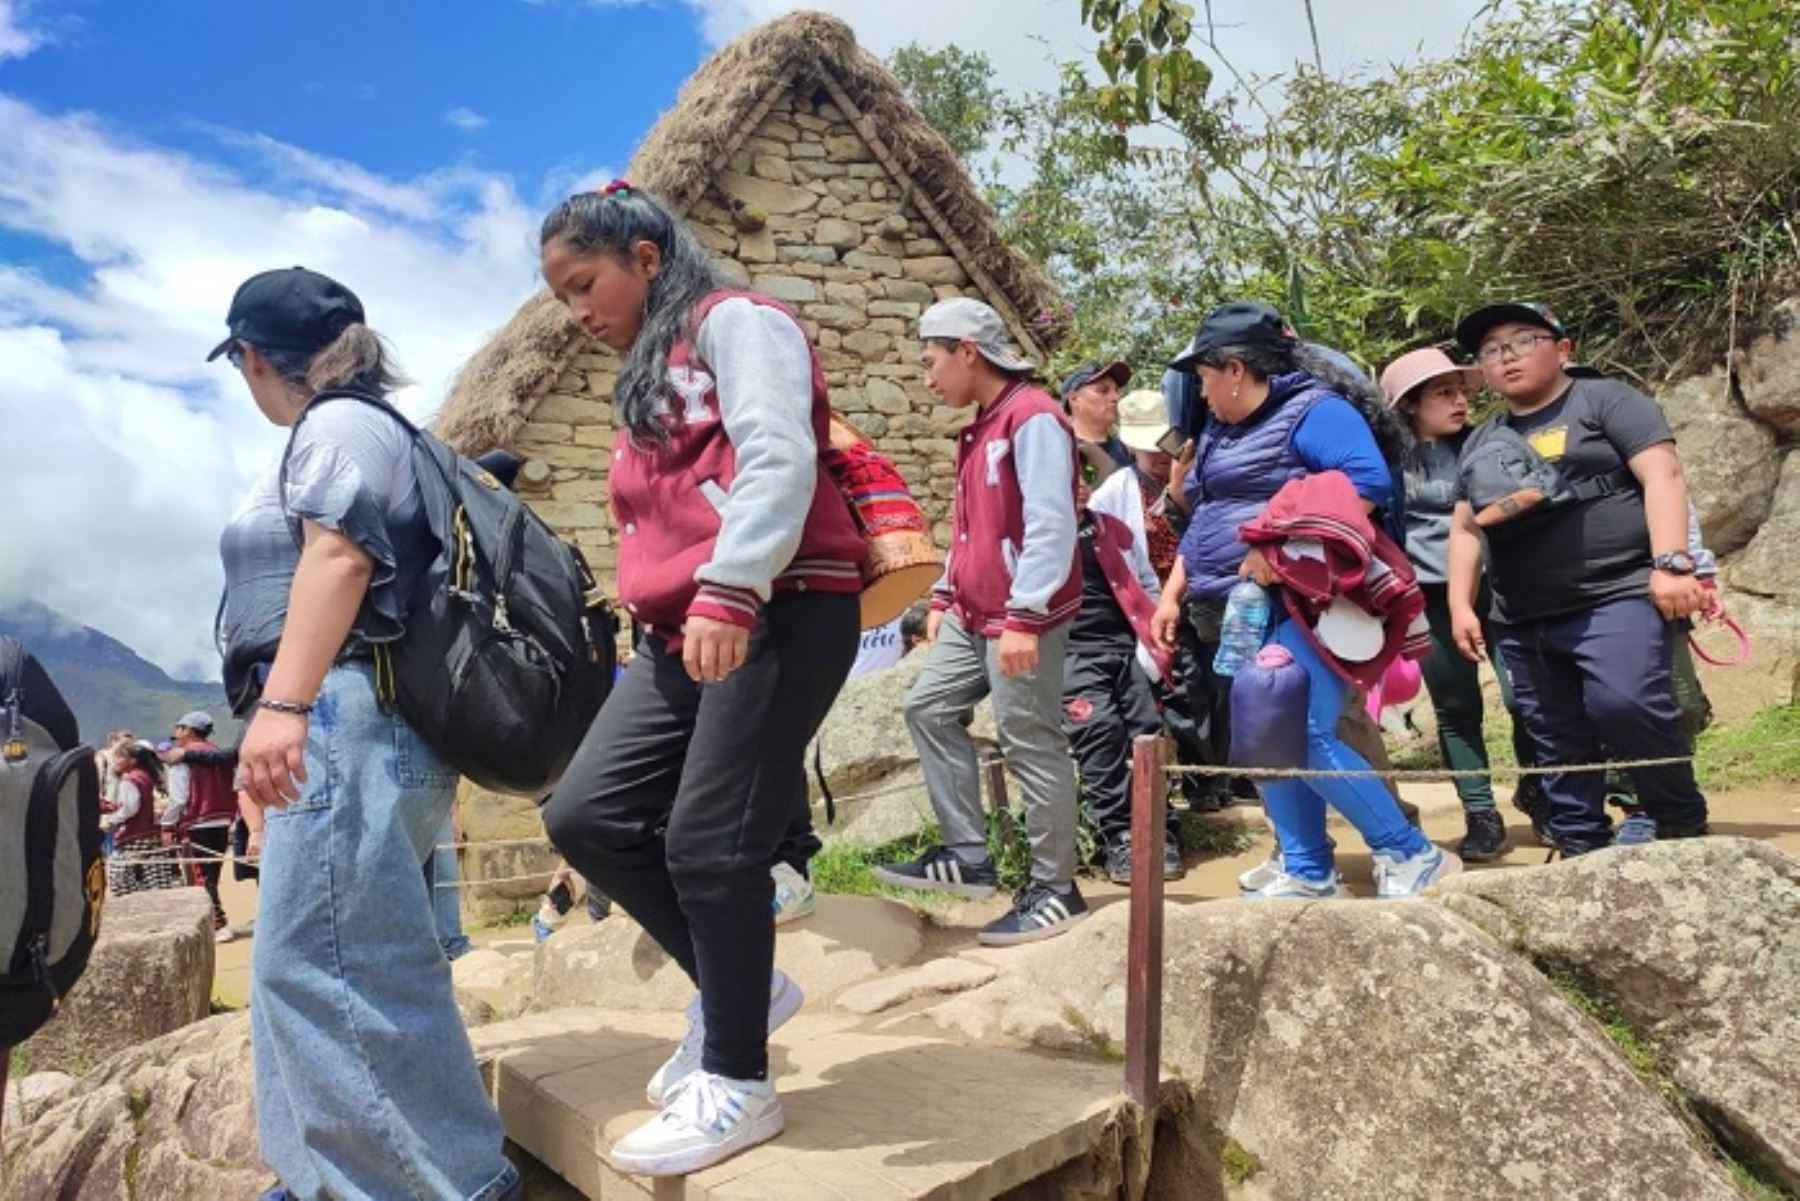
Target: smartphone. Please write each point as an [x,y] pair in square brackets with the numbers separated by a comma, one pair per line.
[1173,442]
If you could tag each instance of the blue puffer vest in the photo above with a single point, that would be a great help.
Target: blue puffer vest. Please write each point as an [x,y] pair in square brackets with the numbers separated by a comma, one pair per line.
[1237,471]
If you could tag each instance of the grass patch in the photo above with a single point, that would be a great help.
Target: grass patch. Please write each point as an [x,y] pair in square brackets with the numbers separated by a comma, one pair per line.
[1240,1165]
[519,915]
[1203,835]
[1765,749]
[848,869]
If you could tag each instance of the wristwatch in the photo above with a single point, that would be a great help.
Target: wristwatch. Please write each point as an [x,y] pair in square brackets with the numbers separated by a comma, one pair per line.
[1676,562]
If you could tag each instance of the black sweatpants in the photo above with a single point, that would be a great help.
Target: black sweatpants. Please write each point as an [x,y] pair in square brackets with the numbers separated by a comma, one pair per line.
[681,793]
[210,846]
[1107,701]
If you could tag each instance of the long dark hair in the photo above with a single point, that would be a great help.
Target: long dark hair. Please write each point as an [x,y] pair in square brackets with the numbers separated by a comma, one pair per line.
[143,757]
[1391,437]
[612,222]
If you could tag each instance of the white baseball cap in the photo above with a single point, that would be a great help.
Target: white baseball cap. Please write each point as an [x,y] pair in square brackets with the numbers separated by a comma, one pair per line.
[964,319]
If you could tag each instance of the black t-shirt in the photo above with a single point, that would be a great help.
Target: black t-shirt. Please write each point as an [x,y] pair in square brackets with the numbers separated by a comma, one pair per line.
[1574,557]
[1100,624]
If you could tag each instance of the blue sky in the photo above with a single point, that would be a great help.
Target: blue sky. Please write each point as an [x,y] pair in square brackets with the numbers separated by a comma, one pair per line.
[154,153]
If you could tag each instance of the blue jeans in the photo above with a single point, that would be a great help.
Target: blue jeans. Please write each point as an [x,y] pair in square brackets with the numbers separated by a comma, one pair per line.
[1296,808]
[443,876]
[365,1083]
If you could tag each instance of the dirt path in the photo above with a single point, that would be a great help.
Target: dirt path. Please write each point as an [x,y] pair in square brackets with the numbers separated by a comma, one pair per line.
[1771,813]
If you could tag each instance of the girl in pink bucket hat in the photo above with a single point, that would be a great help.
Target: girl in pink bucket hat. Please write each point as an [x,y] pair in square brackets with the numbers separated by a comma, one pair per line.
[1432,394]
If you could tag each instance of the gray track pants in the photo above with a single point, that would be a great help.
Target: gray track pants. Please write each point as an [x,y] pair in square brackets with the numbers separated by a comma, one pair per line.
[963,668]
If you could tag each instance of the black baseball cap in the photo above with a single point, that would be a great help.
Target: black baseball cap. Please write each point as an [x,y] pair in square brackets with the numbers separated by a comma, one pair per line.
[1240,323]
[292,309]
[1473,328]
[1117,371]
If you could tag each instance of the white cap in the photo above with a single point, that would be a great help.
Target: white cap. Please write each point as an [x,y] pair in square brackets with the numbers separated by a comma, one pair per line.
[963,319]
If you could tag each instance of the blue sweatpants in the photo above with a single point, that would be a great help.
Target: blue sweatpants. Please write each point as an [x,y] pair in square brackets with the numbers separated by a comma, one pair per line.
[1296,808]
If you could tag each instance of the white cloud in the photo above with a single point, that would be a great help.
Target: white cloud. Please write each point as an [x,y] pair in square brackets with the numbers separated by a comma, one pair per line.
[16,39]
[124,447]
[466,119]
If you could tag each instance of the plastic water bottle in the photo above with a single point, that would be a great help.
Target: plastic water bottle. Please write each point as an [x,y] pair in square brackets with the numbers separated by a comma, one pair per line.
[1241,631]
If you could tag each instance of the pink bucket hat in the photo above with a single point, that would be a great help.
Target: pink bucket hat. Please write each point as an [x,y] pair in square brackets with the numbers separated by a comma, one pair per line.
[1416,367]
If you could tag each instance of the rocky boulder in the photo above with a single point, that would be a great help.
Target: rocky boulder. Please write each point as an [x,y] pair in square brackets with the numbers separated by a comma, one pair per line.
[615,965]
[1732,462]
[497,984]
[174,1117]
[151,972]
[1356,1048]
[1768,567]
[1696,945]
[1769,371]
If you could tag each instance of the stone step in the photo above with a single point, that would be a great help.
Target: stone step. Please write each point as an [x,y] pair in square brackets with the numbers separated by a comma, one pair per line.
[870,1116]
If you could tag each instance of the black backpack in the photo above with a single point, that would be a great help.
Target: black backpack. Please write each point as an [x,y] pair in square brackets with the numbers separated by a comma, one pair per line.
[52,879]
[1504,477]
[508,650]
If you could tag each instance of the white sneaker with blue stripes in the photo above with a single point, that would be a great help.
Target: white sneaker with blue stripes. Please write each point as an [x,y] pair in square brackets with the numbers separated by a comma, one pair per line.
[1408,877]
[706,1119]
[1038,911]
[793,894]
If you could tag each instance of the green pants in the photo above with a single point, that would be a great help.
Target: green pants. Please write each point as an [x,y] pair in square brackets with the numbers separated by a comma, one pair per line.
[1455,687]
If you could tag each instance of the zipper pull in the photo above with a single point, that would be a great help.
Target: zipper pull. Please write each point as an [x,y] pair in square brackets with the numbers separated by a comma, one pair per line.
[40,968]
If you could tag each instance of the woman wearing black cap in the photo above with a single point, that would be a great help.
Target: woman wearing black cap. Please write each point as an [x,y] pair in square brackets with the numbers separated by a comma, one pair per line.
[1281,411]
[365,1083]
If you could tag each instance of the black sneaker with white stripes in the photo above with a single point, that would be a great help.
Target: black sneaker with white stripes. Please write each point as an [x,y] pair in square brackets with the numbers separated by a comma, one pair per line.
[941,870]
[1038,911]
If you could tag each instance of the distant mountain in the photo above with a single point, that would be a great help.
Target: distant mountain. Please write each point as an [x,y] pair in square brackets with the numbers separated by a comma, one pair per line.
[109,685]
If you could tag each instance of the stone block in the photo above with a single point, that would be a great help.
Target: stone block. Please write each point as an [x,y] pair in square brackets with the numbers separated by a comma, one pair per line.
[886,397]
[807,150]
[874,264]
[839,235]
[803,253]
[790,288]
[776,199]
[565,455]
[855,295]
[151,972]
[591,488]
[778,131]
[847,148]
[911,290]
[906,310]
[868,343]
[1769,371]
[758,246]
[834,316]
[561,409]
[847,191]
[869,211]
[867,171]
[594,435]
[761,147]
[808,170]
[569,514]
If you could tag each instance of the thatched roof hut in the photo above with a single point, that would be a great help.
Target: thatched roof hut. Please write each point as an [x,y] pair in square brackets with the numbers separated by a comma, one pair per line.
[762,127]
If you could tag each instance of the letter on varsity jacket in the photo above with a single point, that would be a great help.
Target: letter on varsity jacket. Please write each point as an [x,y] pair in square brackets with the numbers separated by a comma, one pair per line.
[1044,459]
[759,357]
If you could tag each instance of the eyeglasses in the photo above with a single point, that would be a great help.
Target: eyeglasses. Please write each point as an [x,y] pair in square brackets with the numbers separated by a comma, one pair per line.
[1520,345]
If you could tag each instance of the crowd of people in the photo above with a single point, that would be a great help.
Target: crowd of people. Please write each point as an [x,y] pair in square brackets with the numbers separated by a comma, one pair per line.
[1236,558]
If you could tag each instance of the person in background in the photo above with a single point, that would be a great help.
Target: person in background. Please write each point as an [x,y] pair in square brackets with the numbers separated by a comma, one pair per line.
[1090,399]
[1590,593]
[203,806]
[366,1085]
[741,559]
[913,625]
[999,626]
[566,887]
[1279,414]
[1431,394]
[139,861]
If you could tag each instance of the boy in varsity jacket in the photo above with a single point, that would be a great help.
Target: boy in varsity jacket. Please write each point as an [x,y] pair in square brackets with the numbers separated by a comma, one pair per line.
[999,624]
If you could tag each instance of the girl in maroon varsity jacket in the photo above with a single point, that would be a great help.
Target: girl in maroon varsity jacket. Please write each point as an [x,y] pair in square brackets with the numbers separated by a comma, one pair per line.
[739,560]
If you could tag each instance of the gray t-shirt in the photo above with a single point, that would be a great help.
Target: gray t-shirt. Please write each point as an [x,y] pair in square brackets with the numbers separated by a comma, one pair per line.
[349,470]
[1430,500]
[1575,557]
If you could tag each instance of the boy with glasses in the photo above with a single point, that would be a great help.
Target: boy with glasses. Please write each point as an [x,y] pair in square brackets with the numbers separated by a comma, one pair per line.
[1591,575]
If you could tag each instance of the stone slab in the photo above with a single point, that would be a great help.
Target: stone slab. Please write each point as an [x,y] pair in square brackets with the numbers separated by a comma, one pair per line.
[869,1115]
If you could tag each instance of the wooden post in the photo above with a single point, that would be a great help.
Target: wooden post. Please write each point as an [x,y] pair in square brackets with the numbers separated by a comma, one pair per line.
[996,787]
[1143,956]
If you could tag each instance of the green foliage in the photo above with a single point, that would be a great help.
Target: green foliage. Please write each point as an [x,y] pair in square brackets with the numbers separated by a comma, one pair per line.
[1206,835]
[848,869]
[953,90]
[1241,1166]
[1763,750]
[1635,163]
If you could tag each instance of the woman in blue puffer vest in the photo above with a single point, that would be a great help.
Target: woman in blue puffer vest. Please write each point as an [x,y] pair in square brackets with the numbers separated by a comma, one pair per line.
[1280,410]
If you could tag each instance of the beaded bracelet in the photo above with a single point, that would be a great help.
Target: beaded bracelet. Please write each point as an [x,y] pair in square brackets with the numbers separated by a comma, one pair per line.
[293,707]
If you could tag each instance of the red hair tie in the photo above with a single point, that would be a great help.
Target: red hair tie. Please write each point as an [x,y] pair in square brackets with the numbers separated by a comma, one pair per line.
[617,185]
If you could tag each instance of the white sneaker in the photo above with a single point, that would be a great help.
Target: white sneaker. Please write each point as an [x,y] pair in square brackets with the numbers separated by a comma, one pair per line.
[1263,874]
[224,934]
[707,1119]
[793,894]
[1294,888]
[1397,877]
[785,999]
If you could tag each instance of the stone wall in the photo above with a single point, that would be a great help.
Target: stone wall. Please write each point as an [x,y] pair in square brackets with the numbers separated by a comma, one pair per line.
[804,213]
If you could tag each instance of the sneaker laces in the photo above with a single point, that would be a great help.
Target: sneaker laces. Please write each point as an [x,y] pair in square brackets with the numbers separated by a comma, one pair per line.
[703,1101]
[1031,896]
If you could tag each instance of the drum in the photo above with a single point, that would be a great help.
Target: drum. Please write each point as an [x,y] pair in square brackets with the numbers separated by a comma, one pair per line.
[902,565]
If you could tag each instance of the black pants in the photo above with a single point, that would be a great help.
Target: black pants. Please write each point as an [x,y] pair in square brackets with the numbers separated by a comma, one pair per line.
[1597,683]
[681,794]
[211,845]
[1107,701]
[1198,707]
